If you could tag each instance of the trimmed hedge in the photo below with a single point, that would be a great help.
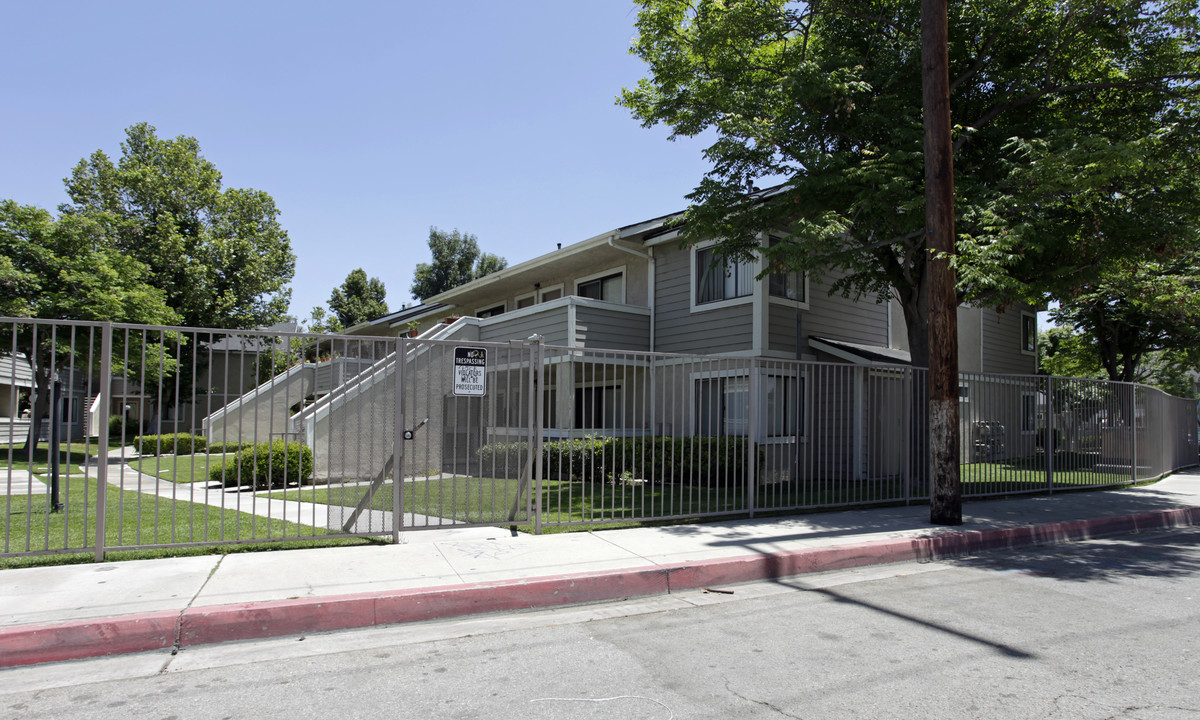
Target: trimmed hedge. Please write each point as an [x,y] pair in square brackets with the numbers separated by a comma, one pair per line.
[228,447]
[119,426]
[172,444]
[690,460]
[266,465]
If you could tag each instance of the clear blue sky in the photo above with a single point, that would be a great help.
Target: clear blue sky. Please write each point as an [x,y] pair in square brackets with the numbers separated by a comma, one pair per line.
[368,122]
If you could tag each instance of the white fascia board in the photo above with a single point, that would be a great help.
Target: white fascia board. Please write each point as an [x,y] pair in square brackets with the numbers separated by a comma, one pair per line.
[838,352]
[589,244]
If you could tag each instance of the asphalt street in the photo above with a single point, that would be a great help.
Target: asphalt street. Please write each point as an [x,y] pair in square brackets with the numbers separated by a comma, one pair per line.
[1098,629]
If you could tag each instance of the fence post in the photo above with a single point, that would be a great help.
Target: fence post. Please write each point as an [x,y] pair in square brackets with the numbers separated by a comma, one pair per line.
[752,439]
[398,443]
[1133,454]
[536,418]
[907,430]
[102,439]
[1049,440]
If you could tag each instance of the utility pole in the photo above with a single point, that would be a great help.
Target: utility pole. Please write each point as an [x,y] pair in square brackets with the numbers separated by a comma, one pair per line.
[945,502]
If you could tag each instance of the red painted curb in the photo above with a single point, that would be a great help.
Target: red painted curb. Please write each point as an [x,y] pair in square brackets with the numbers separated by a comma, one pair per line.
[25,645]
[50,642]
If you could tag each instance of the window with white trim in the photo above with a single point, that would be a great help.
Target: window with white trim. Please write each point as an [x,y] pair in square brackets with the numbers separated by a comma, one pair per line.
[596,406]
[722,406]
[719,278]
[789,285]
[1028,333]
[610,288]
[490,312]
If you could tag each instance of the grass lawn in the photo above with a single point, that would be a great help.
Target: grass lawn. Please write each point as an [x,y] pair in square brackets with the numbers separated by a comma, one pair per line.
[39,461]
[131,518]
[1071,470]
[488,501]
[180,468]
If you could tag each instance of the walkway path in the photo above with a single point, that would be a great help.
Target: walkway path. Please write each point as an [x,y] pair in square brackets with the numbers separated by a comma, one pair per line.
[121,474]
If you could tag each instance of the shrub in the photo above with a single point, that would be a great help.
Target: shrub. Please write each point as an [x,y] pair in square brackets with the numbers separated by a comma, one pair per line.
[502,460]
[176,444]
[266,465]
[685,461]
[577,459]
[228,447]
[119,426]
[690,460]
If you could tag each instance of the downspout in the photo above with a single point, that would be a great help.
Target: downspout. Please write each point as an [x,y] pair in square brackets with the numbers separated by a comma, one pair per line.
[650,273]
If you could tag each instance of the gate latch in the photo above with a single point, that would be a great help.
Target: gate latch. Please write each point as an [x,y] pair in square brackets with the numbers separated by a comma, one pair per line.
[410,434]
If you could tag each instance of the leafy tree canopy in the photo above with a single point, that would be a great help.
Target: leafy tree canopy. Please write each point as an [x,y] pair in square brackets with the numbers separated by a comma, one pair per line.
[1075,124]
[457,260]
[66,269]
[1135,312]
[218,254]
[358,299]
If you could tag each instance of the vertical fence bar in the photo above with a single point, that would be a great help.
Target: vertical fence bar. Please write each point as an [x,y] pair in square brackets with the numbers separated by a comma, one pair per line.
[754,405]
[1133,454]
[1051,446]
[106,382]
[399,466]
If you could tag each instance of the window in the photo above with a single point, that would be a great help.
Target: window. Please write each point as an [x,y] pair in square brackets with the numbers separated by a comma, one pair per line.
[610,288]
[723,406]
[1028,413]
[720,278]
[782,416]
[1028,333]
[787,285]
[549,294]
[596,406]
[525,301]
[490,312]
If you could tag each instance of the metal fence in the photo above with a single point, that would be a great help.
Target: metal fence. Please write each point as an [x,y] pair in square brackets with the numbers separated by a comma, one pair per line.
[159,436]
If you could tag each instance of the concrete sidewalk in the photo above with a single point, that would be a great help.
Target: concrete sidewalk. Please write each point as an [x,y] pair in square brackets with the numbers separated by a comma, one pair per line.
[77,611]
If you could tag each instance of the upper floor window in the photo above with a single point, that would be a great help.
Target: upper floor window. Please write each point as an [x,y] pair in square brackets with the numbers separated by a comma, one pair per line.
[1028,333]
[610,288]
[719,278]
[490,312]
[789,285]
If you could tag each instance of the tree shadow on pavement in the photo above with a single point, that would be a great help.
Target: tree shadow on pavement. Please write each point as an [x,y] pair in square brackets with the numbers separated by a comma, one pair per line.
[1169,553]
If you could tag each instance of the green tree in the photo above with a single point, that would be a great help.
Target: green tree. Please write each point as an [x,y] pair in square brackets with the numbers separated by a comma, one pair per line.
[825,98]
[1065,353]
[457,260]
[1135,312]
[358,299]
[219,255]
[66,269]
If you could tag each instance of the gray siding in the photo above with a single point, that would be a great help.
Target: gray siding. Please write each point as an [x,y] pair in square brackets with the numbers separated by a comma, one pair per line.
[1001,342]
[677,329]
[611,329]
[782,328]
[550,323]
[833,316]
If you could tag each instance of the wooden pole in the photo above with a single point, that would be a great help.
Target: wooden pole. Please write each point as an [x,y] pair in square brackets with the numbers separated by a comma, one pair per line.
[945,502]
